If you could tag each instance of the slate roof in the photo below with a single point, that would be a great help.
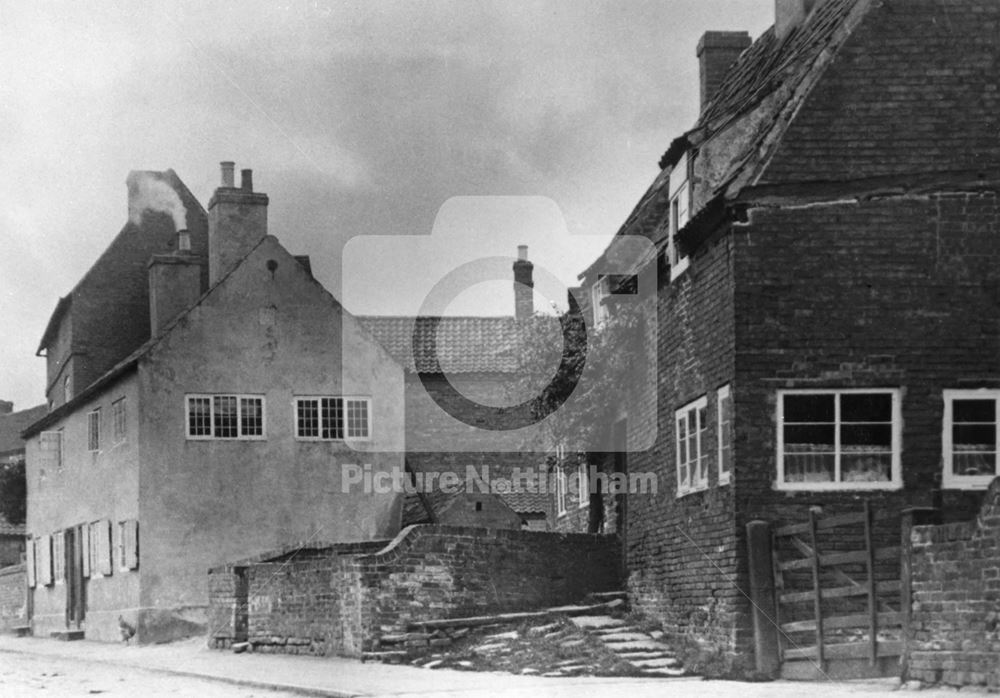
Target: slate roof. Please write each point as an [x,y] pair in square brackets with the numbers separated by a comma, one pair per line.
[462,344]
[528,502]
[11,426]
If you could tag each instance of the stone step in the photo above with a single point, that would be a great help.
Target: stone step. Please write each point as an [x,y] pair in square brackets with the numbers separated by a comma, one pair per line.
[390,656]
[66,635]
[648,654]
[598,623]
[659,663]
[636,645]
[600,632]
[608,595]
[21,631]
[615,638]
[666,671]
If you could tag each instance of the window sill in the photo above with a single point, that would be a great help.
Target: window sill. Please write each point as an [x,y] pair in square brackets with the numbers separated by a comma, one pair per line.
[973,482]
[723,481]
[692,490]
[678,269]
[835,486]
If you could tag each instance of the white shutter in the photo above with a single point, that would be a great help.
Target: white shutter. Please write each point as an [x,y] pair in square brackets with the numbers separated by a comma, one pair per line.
[30,561]
[85,547]
[45,560]
[104,550]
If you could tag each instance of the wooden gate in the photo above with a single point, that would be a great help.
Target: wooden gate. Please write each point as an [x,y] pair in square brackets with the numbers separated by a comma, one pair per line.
[837,596]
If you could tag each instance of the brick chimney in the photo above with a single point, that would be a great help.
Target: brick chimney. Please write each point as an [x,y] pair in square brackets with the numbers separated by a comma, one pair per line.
[237,221]
[6,406]
[717,51]
[524,295]
[174,285]
[789,14]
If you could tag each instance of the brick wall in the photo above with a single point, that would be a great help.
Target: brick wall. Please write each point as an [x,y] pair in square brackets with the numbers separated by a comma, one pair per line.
[13,597]
[954,634]
[337,601]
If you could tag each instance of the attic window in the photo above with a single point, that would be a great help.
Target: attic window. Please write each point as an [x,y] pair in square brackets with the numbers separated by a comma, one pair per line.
[680,213]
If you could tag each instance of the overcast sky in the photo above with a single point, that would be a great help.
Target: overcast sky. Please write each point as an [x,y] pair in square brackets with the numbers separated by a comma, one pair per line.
[358,118]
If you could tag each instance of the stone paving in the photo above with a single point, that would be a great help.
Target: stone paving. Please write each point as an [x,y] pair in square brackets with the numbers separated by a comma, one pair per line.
[645,651]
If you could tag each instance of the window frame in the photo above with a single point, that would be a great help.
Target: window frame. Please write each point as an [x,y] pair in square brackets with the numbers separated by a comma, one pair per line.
[239,397]
[966,482]
[678,191]
[561,509]
[345,399]
[119,421]
[94,430]
[600,291]
[583,485]
[894,483]
[724,393]
[691,484]
[60,451]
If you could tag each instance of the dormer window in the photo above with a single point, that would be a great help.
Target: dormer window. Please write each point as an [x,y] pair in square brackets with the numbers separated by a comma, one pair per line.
[680,212]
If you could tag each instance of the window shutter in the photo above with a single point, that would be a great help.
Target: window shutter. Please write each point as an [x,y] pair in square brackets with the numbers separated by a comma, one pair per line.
[45,560]
[85,547]
[30,561]
[130,531]
[104,561]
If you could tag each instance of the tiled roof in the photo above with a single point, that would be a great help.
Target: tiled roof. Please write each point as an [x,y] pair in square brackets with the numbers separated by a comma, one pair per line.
[528,502]
[461,344]
[11,426]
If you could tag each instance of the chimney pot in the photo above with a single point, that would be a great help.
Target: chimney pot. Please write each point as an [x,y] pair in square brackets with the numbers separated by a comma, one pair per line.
[522,252]
[717,51]
[6,406]
[524,297]
[228,169]
[247,182]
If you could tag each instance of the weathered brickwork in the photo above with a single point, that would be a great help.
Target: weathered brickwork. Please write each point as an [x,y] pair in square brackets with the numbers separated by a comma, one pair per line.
[341,600]
[13,597]
[955,628]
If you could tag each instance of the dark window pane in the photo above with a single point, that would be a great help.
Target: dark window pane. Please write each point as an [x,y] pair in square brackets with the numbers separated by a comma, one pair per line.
[809,408]
[866,407]
[974,437]
[866,468]
[226,426]
[983,411]
[809,467]
[974,463]
[866,435]
[809,437]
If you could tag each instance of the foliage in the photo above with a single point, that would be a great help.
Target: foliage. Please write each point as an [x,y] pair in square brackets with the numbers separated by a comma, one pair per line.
[13,492]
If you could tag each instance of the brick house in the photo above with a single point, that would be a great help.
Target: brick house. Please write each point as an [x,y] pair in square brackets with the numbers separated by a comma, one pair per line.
[829,294]
[223,433]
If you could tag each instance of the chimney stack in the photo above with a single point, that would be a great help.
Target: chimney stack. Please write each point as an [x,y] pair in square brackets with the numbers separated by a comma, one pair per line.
[717,51]
[6,406]
[524,295]
[174,285]
[789,14]
[237,221]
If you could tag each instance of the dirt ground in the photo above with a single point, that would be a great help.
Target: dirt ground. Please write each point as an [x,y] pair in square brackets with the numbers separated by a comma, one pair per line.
[22,675]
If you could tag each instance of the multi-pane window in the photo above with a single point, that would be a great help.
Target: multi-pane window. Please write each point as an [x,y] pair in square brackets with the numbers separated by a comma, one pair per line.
[725,437]
[118,421]
[94,430]
[50,445]
[598,293]
[680,200]
[225,417]
[692,456]
[838,439]
[332,418]
[560,490]
[970,437]
[583,485]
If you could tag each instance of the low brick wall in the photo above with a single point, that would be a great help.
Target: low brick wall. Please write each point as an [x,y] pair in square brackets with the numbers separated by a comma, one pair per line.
[954,636]
[342,599]
[13,597]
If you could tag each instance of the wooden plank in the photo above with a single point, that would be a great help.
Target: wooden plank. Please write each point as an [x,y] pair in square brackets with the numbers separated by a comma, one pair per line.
[817,588]
[856,620]
[847,650]
[831,559]
[872,606]
[854,517]
[839,592]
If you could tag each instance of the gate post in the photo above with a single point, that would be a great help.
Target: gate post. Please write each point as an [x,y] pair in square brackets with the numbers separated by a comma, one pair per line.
[765,620]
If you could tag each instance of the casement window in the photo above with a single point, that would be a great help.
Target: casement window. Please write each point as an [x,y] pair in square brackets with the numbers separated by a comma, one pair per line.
[839,439]
[692,455]
[99,548]
[94,430]
[969,438]
[225,417]
[118,423]
[50,446]
[59,557]
[680,213]
[332,418]
[560,491]
[724,400]
[583,486]
[128,544]
[598,293]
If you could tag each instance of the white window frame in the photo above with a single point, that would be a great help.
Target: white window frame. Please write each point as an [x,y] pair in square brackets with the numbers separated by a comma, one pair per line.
[598,293]
[679,213]
[724,393]
[560,490]
[119,421]
[948,479]
[346,399]
[896,481]
[583,485]
[94,430]
[239,417]
[692,482]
